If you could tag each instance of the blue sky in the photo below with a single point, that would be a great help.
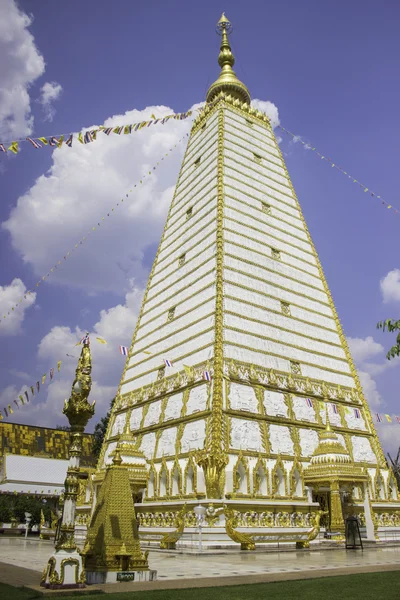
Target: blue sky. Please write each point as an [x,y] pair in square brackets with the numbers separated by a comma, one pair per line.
[329,69]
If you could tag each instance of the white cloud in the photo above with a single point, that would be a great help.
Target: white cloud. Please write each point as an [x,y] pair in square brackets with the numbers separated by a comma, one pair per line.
[269,108]
[10,295]
[116,326]
[390,286]
[390,437]
[362,349]
[82,186]
[370,389]
[49,93]
[20,65]
[20,374]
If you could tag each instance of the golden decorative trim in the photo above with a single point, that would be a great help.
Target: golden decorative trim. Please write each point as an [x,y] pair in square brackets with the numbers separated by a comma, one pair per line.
[213,459]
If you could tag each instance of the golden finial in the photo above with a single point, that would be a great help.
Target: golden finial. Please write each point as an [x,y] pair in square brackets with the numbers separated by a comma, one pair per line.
[328,423]
[227,81]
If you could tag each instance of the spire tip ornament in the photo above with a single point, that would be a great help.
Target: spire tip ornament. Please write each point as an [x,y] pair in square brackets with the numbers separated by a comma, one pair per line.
[227,81]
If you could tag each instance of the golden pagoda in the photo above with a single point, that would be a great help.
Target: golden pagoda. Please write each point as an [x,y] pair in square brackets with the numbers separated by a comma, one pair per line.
[238,353]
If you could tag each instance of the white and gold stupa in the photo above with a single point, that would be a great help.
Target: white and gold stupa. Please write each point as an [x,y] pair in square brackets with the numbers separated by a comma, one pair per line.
[237,293]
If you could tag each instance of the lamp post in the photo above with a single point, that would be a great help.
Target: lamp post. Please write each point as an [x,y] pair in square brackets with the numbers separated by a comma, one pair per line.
[200,512]
[27,521]
[65,568]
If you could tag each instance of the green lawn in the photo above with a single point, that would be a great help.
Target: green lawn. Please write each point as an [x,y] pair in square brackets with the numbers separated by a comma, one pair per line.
[371,586]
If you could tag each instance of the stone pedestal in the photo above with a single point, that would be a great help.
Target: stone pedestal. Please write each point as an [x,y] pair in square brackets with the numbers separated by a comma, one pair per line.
[64,570]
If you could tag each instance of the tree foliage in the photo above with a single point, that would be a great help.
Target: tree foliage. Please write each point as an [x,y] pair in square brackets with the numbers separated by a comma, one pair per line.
[15,506]
[391,326]
[100,431]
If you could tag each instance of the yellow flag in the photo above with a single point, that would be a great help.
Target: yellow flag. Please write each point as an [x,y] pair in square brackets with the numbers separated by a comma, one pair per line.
[43,379]
[101,341]
[44,141]
[153,116]
[388,418]
[10,410]
[59,365]
[14,147]
[22,400]
[1,416]
[60,141]
[80,138]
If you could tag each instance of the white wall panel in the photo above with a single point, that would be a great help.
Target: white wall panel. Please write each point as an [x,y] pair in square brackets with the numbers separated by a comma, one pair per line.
[267,262]
[183,313]
[205,230]
[200,206]
[265,248]
[166,443]
[271,303]
[276,277]
[274,404]
[203,250]
[309,440]
[302,411]
[362,450]
[198,399]
[246,158]
[251,203]
[280,440]
[267,153]
[171,288]
[253,199]
[177,296]
[193,436]
[171,334]
[282,337]
[245,309]
[242,397]
[246,435]
[253,178]
[268,224]
[175,243]
[248,181]
[188,193]
[136,418]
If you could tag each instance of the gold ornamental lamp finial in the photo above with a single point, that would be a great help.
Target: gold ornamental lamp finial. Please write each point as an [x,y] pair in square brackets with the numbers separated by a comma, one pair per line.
[227,81]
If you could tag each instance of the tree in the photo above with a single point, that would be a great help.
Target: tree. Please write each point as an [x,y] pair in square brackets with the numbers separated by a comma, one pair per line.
[100,431]
[391,326]
[396,467]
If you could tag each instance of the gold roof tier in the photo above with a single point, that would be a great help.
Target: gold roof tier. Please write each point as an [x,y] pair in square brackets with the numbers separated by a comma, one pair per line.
[227,81]
[331,461]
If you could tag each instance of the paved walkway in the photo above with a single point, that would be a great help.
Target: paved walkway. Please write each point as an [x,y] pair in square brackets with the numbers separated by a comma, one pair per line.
[23,562]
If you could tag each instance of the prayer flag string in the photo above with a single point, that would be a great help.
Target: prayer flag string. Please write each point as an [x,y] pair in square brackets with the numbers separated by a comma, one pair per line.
[85,237]
[365,189]
[56,141]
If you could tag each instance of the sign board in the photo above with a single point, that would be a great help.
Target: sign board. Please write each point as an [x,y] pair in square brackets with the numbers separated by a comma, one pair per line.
[125,575]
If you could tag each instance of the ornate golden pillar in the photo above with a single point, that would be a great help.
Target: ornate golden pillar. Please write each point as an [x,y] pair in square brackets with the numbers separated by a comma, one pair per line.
[337,521]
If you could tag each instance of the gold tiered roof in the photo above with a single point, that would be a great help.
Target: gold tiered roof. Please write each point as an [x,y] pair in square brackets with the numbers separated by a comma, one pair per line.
[227,81]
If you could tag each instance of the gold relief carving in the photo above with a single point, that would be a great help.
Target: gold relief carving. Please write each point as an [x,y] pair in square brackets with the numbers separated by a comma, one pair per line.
[190,477]
[163,480]
[241,476]
[287,398]
[261,487]
[295,437]
[169,539]
[279,479]
[285,308]
[231,522]
[295,367]
[294,481]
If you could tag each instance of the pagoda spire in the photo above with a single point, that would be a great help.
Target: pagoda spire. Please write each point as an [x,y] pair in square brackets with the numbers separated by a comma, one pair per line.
[227,81]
